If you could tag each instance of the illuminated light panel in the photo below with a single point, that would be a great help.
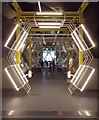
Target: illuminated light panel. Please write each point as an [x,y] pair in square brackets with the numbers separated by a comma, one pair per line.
[23,73]
[49,13]
[39,6]
[15,28]
[19,74]
[11,79]
[49,26]
[76,42]
[89,77]
[83,27]
[83,48]
[49,23]
[79,74]
[20,40]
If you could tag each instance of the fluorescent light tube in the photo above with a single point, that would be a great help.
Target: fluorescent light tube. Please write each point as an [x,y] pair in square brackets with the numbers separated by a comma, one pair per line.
[76,42]
[39,6]
[15,28]
[90,39]
[49,13]
[49,26]
[49,23]
[80,72]
[83,48]
[20,40]
[19,74]
[11,79]
[87,80]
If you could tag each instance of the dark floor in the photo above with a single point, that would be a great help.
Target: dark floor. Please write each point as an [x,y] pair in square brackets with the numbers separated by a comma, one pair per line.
[49,97]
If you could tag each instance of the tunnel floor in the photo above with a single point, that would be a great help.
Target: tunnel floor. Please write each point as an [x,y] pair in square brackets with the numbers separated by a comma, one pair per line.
[49,97]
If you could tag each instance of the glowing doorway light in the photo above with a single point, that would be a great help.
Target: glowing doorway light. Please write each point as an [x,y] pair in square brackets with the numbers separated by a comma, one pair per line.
[49,13]
[14,84]
[14,30]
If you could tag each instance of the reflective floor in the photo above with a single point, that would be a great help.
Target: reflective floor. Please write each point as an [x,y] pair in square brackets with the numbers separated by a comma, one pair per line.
[49,97]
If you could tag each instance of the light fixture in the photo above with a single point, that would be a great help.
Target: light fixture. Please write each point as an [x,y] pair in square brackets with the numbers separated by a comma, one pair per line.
[14,84]
[83,48]
[39,6]
[15,28]
[86,82]
[76,42]
[20,40]
[49,23]
[49,26]
[49,13]
[90,39]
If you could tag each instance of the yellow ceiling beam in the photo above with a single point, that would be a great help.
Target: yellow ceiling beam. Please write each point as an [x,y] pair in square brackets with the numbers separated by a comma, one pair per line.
[83,6]
[49,29]
[16,6]
[32,14]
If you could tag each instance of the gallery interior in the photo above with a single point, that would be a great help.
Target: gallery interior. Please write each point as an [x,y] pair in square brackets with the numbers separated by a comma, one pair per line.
[49,59]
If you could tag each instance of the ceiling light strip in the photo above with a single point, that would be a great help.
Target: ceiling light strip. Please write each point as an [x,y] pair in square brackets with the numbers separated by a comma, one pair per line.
[49,26]
[49,23]
[49,13]
[39,6]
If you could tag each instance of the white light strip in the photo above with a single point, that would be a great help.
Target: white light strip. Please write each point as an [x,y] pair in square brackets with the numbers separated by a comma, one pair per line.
[15,28]
[87,80]
[19,74]
[11,79]
[49,13]
[49,26]
[76,42]
[79,74]
[20,40]
[39,6]
[49,23]
[88,35]
[23,73]
[83,48]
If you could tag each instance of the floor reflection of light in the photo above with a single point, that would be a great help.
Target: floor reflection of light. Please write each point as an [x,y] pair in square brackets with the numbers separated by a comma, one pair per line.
[11,112]
[87,113]
[80,113]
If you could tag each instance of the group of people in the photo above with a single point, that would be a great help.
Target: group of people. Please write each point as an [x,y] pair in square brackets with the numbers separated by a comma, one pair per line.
[48,64]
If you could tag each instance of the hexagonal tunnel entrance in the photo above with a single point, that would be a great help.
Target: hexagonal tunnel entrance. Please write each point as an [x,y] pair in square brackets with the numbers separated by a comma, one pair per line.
[48,58]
